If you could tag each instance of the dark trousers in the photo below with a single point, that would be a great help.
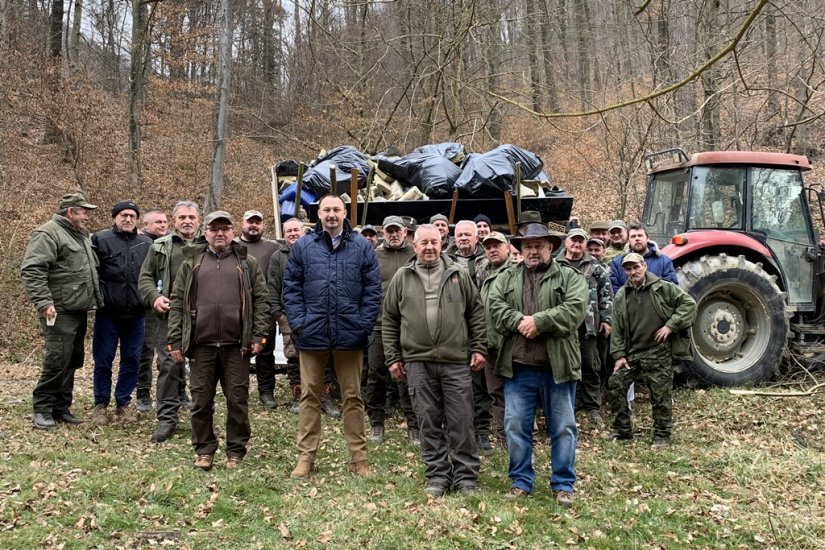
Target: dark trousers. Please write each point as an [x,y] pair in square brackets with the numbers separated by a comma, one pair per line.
[168,384]
[443,402]
[377,382]
[147,355]
[209,365]
[482,403]
[589,389]
[605,360]
[655,368]
[495,388]
[265,365]
[108,333]
[64,355]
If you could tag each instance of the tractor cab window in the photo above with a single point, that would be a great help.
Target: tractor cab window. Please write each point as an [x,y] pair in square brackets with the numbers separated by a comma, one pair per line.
[667,205]
[716,198]
[778,205]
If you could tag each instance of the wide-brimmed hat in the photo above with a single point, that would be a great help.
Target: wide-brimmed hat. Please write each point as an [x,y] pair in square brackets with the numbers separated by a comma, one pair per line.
[537,231]
[529,216]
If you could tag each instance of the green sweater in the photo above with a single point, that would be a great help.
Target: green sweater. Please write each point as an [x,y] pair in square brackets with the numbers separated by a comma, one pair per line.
[459,330]
[563,301]
[670,302]
[161,264]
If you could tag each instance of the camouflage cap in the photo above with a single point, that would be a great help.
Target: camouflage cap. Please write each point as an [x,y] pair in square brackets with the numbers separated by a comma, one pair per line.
[252,214]
[633,258]
[495,236]
[577,232]
[368,229]
[393,221]
[76,200]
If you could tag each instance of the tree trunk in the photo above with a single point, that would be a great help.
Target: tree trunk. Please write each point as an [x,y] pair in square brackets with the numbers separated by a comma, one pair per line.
[216,172]
[708,34]
[547,43]
[532,54]
[770,54]
[56,29]
[74,41]
[583,53]
[137,73]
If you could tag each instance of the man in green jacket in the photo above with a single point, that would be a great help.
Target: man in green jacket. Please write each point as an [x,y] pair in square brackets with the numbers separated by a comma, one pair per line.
[433,332]
[537,307]
[157,275]
[59,272]
[650,320]
[219,318]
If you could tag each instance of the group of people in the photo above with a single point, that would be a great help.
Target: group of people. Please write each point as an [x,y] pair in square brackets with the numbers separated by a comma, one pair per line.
[473,327]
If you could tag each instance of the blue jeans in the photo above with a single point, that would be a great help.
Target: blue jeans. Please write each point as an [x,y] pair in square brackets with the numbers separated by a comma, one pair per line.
[528,387]
[108,331]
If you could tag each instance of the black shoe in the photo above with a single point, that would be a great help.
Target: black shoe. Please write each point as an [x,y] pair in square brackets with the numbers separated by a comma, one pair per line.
[162,434]
[143,403]
[329,408]
[295,408]
[483,444]
[267,400]
[43,421]
[184,401]
[67,418]
[616,435]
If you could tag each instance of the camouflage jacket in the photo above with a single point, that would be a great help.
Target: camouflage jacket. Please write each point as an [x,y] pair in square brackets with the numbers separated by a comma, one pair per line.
[600,293]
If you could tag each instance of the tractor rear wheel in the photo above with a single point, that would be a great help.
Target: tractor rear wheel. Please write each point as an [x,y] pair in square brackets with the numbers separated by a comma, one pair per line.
[741,326]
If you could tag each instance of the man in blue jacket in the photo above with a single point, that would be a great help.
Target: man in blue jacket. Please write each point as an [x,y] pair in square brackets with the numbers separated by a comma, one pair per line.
[331,296]
[657,263]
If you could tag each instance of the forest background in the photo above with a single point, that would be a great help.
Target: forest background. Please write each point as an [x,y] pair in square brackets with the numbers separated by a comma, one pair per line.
[160,100]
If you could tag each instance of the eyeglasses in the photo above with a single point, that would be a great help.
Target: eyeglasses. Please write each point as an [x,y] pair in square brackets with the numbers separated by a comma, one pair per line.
[219,229]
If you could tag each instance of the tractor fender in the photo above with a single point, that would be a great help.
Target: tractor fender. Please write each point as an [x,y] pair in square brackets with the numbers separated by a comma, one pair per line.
[699,242]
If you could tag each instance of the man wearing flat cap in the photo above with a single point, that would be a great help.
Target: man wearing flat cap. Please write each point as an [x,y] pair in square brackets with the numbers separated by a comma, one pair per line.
[219,318]
[121,251]
[60,276]
[392,255]
[537,307]
[252,233]
[600,230]
[651,317]
[617,239]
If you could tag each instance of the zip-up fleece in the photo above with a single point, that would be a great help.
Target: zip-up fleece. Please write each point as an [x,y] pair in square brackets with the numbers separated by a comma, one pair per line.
[254,299]
[459,330]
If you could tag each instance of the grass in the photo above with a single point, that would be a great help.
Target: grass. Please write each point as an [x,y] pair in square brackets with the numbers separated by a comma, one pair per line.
[743,472]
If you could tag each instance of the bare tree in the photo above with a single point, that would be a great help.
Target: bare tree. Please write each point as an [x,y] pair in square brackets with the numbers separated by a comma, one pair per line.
[137,75]
[216,172]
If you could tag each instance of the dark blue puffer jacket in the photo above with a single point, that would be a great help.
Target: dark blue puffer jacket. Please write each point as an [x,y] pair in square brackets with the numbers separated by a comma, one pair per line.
[332,296]
[657,263]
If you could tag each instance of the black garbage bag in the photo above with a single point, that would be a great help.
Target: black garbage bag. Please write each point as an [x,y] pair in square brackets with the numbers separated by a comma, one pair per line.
[286,168]
[448,150]
[490,174]
[345,158]
[433,174]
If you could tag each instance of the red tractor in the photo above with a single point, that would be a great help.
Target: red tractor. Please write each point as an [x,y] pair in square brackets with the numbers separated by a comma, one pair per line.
[738,228]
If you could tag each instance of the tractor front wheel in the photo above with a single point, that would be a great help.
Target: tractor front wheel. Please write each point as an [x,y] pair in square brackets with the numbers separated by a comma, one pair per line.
[741,327]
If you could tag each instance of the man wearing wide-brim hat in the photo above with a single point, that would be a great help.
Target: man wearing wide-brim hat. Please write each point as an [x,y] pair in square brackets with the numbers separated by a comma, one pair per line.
[537,307]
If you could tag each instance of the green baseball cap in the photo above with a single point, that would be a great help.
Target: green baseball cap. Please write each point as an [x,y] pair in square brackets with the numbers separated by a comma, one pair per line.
[76,200]
[577,232]
[391,221]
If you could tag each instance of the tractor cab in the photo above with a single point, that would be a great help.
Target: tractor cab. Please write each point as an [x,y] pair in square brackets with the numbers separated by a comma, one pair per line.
[737,226]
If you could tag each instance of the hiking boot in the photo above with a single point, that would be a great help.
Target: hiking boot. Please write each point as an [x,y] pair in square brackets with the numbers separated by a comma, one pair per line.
[67,418]
[127,413]
[144,404]
[564,498]
[360,468]
[660,443]
[483,444]
[204,462]
[184,401]
[43,421]
[616,435]
[303,469]
[100,416]
[233,462]
[377,434]
[267,399]
[327,406]
[295,408]
[162,434]
[467,490]
[435,491]
[596,417]
[515,494]
[413,437]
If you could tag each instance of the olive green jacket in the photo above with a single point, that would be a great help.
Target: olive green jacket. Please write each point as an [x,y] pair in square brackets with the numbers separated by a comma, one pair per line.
[490,275]
[157,275]
[671,303]
[460,329]
[563,301]
[254,299]
[60,269]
